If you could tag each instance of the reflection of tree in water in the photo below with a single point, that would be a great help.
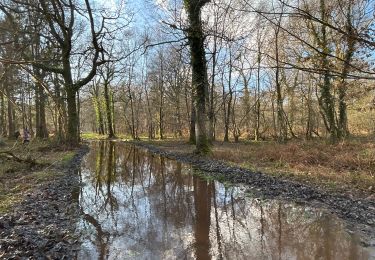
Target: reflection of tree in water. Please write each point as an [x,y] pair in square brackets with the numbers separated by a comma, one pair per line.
[154,207]
[171,192]
[111,200]
[105,175]
[277,230]
[169,198]
[202,201]
[102,237]
[142,178]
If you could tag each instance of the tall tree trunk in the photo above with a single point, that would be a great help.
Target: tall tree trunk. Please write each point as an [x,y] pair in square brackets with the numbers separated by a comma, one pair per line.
[309,126]
[108,110]
[343,129]
[112,99]
[246,106]
[274,120]
[281,124]
[149,115]
[30,117]
[161,115]
[326,100]
[211,114]
[40,105]
[224,100]
[40,96]
[64,109]
[257,98]
[292,103]
[59,109]
[192,124]
[227,113]
[72,136]
[78,115]
[11,119]
[132,115]
[178,114]
[236,128]
[23,108]
[161,100]
[37,114]
[2,114]
[98,113]
[199,73]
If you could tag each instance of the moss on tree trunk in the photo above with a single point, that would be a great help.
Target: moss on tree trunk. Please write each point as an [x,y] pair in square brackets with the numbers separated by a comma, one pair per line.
[199,73]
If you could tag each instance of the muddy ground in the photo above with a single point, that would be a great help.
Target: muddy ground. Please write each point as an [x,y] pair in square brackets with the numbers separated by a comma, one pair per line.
[358,212]
[42,225]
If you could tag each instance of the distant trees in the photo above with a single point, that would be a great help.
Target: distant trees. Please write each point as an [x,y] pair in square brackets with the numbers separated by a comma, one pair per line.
[273,70]
[210,70]
[56,51]
[97,99]
[107,74]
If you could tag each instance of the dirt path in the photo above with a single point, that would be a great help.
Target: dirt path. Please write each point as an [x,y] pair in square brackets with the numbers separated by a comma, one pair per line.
[42,225]
[358,213]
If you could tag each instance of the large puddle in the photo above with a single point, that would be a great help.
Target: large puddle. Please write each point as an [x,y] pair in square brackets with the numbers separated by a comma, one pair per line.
[136,205]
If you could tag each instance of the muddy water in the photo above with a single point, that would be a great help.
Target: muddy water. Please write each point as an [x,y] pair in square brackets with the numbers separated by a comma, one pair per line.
[136,205]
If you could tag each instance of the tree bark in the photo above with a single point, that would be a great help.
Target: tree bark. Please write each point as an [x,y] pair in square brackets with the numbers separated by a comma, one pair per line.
[98,113]
[257,98]
[161,98]
[2,114]
[246,105]
[40,105]
[326,99]
[199,73]
[211,115]
[343,129]
[11,119]
[192,124]
[281,124]
[108,110]
[227,111]
[72,130]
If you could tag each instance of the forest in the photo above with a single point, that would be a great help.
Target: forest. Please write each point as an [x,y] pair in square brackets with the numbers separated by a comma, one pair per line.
[236,70]
[283,88]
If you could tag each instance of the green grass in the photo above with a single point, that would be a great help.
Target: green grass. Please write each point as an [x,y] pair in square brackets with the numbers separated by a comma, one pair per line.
[96,136]
[68,156]
[93,136]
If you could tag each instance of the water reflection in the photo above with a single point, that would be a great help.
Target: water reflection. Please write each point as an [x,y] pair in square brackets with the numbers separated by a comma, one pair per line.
[136,205]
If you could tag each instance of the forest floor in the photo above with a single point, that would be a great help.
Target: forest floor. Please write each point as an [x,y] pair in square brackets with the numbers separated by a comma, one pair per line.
[37,215]
[338,178]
